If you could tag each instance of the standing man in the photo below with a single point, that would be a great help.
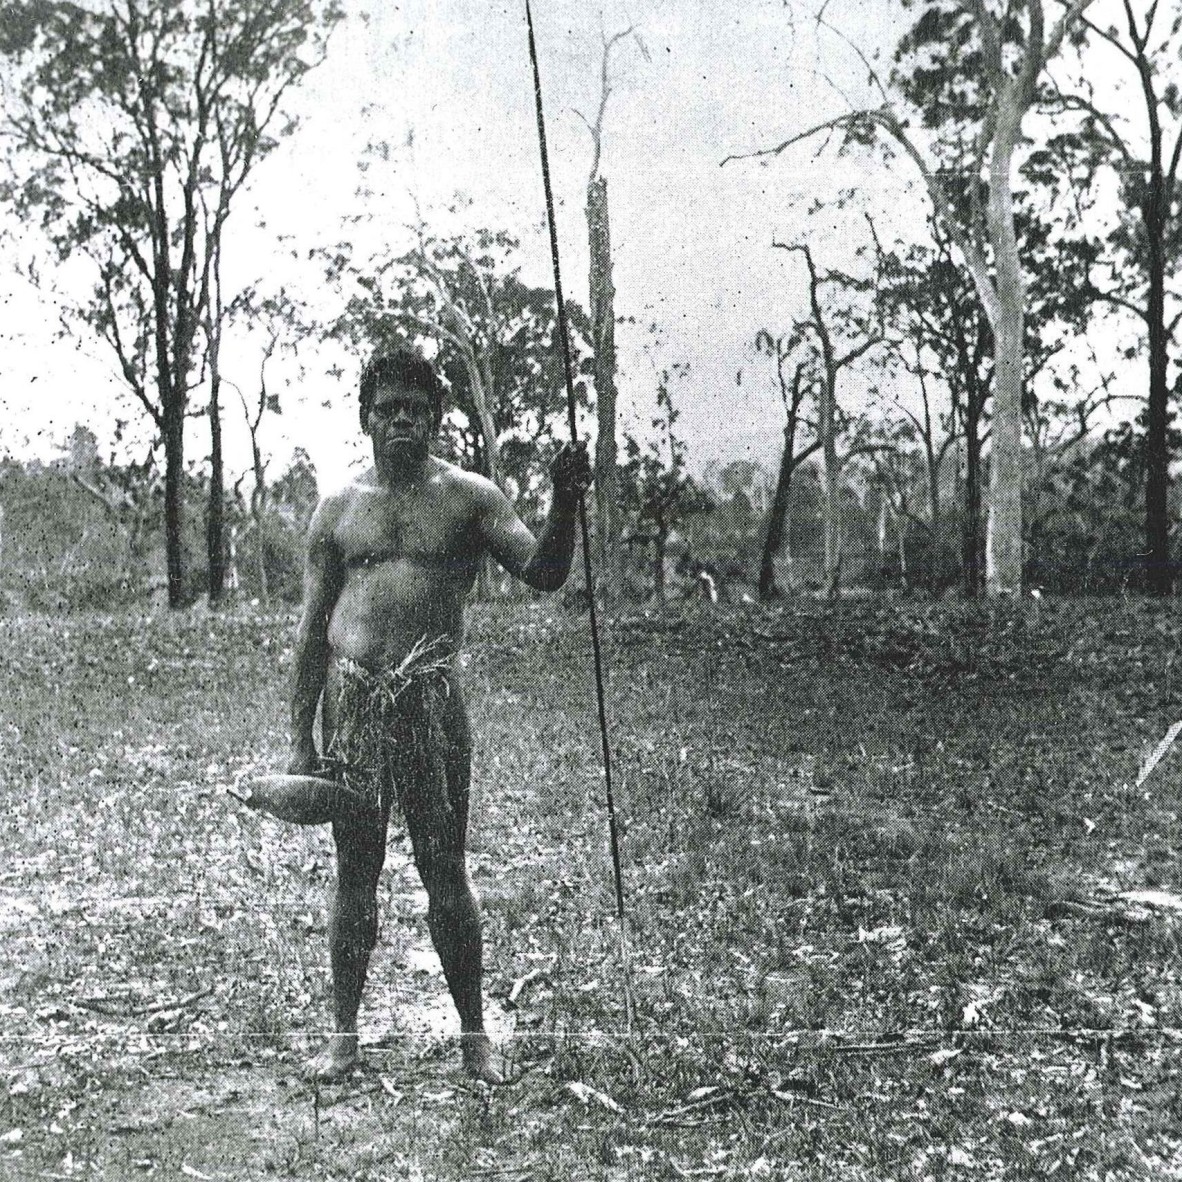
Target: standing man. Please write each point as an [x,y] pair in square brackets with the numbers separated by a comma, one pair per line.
[390,563]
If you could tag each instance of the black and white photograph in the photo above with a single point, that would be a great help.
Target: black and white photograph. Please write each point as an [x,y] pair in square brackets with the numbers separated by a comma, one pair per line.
[589,590]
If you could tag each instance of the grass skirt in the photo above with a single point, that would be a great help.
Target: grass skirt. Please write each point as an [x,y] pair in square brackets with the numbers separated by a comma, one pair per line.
[390,740]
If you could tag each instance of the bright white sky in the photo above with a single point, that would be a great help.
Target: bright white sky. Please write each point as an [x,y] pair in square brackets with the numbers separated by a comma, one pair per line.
[692,239]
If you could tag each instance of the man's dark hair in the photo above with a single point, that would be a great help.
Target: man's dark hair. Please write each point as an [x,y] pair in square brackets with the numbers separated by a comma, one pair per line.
[401,365]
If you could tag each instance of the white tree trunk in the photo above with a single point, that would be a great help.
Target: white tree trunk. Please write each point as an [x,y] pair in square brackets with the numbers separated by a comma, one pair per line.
[1003,535]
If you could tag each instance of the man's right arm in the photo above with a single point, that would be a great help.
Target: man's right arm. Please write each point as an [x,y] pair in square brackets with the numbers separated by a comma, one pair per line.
[323,575]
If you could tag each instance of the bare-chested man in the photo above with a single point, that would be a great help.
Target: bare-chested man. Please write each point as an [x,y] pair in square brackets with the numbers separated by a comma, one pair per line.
[390,563]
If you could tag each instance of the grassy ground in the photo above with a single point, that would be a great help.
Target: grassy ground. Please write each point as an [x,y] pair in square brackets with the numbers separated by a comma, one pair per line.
[878,859]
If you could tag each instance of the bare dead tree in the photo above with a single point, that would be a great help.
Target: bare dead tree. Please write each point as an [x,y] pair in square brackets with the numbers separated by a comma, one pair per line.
[603,332]
[831,361]
[793,391]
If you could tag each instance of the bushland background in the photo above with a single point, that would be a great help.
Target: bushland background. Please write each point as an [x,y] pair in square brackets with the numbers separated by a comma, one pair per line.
[884,534]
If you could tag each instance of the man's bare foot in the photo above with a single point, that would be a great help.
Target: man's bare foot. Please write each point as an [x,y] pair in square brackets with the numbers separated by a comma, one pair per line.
[334,1060]
[478,1058]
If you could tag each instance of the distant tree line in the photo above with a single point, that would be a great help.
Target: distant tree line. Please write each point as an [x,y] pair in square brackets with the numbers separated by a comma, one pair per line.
[1055,207]
[951,417]
[84,533]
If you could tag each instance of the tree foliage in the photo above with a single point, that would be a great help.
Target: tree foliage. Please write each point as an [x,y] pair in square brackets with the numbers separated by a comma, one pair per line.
[942,339]
[132,130]
[1137,135]
[965,77]
[493,335]
[656,488]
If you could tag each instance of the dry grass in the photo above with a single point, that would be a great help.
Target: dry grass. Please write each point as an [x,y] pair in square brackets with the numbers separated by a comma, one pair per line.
[873,859]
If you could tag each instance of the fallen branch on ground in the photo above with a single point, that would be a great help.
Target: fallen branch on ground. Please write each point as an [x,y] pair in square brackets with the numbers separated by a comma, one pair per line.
[96,1004]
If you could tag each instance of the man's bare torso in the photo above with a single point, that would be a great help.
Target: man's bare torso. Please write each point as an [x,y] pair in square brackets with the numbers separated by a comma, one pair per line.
[408,558]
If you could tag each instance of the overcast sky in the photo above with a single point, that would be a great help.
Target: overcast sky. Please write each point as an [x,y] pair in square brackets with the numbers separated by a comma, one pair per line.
[692,239]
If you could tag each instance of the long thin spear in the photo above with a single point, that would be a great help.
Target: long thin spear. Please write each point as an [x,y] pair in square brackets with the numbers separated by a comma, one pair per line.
[564,337]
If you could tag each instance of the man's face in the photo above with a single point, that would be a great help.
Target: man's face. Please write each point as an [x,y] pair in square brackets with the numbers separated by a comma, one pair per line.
[401,422]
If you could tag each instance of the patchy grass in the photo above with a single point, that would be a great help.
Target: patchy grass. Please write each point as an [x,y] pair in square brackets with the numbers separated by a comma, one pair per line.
[875,857]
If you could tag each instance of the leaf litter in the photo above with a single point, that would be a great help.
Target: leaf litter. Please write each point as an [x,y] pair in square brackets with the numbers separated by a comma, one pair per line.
[879,984]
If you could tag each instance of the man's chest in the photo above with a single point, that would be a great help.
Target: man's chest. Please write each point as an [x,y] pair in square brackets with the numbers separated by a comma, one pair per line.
[421,526]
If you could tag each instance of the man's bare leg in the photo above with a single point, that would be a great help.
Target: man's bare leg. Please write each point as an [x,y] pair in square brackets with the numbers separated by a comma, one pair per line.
[454,921]
[438,835]
[352,936]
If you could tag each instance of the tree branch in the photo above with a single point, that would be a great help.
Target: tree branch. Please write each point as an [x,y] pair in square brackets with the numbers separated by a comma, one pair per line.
[1106,35]
[990,43]
[1075,102]
[1074,12]
[605,91]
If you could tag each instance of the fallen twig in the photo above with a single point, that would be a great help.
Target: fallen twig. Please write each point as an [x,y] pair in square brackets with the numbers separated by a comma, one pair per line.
[347,1097]
[797,1098]
[703,1172]
[894,1047]
[520,984]
[181,1004]
[96,1004]
[1158,753]
[695,1106]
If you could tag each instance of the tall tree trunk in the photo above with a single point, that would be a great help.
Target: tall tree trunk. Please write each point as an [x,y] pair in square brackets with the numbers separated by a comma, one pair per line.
[830,501]
[935,515]
[1159,573]
[971,557]
[261,560]
[603,334]
[1003,538]
[659,540]
[901,538]
[777,519]
[936,571]
[958,501]
[490,451]
[775,540]
[776,536]
[482,397]
[258,506]
[233,580]
[215,545]
[171,395]
[174,501]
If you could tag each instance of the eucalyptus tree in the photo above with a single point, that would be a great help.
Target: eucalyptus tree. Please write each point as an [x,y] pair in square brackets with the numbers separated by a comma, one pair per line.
[284,323]
[802,438]
[131,128]
[1140,136]
[656,486]
[942,338]
[494,337]
[840,328]
[965,77]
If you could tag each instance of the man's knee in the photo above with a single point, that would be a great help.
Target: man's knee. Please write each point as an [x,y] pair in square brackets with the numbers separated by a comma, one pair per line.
[355,907]
[450,899]
[355,916]
[361,849]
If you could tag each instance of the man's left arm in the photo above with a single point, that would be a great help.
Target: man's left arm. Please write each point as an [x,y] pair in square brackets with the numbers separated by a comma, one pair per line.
[543,562]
